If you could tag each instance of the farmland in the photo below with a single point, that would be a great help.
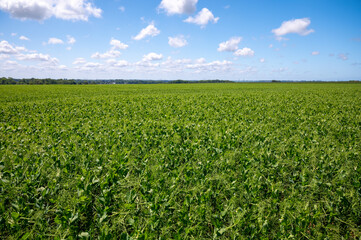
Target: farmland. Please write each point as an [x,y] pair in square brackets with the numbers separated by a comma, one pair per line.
[186,161]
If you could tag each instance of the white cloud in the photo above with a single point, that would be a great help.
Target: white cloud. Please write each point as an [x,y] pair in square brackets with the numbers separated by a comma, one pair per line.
[202,18]
[113,68]
[111,61]
[44,9]
[150,30]
[314,53]
[92,65]
[262,60]
[10,62]
[76,10]
[28,9]
[120,63]
[343,56]
[89,66]
[178,6]
[38,57]
[270,46]
[118,44]
[231,45]
[55,41]
[175,64]
[109,54]
[211,66]
[24,38]
[13,34]
[71,40]
[201,60]
[122,8]
[112,53]
[7,48]
[244,52]
[152,57]
[79,61]
[298,26]
[177,42]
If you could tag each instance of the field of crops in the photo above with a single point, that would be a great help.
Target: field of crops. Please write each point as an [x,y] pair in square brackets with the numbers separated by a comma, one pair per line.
[187,161]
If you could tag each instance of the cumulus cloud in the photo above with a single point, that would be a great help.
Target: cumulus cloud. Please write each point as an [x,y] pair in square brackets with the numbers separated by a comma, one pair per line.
[55,41]
[314,53]
[172,7]
[44,9]
[262,60]
[210,66]
[177,42]
[113,68]
[202,18]
[298,26]
[44,61]
[150,30]
[92,65]
[108,54]
[119,63]
[7,48]
[152,57]
[76,10]
[191,67]
[244,52]
[113,52]
[38,57]
[24,38]
[118,44]
[10,65]
[231,45]
[28,9]
[175,65]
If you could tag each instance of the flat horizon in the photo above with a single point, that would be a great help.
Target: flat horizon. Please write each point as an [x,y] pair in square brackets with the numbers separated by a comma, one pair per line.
[172,39]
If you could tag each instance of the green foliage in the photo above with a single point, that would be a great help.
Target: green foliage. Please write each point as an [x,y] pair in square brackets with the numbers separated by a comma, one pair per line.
[199,161]
[48,81]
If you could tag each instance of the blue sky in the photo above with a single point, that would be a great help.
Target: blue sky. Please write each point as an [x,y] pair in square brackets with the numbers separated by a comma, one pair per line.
[181,39]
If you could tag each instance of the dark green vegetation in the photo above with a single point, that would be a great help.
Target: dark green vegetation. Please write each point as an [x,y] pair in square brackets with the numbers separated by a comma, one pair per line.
[49,81]
[199,161]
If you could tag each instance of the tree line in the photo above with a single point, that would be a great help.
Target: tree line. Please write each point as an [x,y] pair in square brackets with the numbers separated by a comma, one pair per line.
[48,81]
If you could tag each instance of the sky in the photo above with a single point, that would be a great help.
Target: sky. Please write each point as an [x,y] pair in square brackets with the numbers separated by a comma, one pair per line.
[181,39]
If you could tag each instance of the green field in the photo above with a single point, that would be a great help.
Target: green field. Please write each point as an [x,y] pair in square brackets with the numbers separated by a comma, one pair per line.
[186,161]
